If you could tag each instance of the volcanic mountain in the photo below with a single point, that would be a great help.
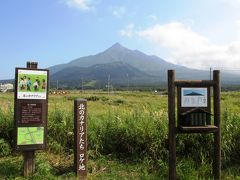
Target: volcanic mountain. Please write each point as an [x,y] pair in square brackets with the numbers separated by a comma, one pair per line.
[122,66]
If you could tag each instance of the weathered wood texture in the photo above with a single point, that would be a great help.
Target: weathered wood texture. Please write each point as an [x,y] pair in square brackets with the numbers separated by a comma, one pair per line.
[171,125]
[198,129]
[29,156]
[80,138]
[192,83]
[217,135]
[29,163]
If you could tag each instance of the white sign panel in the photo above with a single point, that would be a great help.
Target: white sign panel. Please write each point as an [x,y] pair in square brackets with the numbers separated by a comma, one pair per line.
[194,97]
[31,84]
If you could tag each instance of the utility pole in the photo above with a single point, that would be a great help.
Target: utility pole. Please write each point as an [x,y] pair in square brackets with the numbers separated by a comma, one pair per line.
[57,84]
[127,82]
[111,89]
[82,84]
[108,84]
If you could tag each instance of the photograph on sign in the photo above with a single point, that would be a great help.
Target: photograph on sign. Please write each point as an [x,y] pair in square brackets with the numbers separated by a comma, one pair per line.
[194,97]
[31,84]
[30,135]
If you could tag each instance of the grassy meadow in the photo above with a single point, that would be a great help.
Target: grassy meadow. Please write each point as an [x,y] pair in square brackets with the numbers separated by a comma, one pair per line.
[127,134]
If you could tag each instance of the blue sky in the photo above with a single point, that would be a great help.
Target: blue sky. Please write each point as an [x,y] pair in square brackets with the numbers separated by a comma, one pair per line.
[198,34]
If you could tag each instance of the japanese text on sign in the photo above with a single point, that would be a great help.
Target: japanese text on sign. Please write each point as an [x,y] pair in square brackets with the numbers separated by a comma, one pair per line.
[81,133]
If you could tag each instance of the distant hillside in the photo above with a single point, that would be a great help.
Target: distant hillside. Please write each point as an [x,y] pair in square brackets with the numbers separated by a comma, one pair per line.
[124,67]
[151,65]
[119,73]
[118,61]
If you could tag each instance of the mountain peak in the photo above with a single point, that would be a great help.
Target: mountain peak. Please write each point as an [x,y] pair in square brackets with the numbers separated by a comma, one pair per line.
[117,46]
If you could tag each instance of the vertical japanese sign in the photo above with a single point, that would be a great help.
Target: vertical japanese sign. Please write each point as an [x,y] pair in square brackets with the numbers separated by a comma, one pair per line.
[80,137]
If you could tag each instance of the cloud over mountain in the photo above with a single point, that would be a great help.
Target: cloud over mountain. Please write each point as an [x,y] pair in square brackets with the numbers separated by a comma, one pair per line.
[187,47]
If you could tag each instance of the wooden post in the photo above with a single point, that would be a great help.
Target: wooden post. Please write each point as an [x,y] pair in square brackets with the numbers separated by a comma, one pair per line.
[32,65]
[29,156]
[80,138]
[29,163]
[217,135]
[172,132]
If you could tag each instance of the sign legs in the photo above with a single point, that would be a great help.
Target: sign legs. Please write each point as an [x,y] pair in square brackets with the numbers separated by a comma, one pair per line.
[217,135]
[29,164]
[171,125]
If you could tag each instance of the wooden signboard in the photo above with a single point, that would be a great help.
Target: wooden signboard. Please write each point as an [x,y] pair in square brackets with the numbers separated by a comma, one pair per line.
[80,137]
[30,114]
[194,115]
[193,106]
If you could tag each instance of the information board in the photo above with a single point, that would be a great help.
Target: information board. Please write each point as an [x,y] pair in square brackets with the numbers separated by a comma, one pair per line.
[194,97]
[30,114]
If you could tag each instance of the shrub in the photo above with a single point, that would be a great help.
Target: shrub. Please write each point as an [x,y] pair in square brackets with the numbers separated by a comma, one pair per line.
[92,98]
[5,148]
[60,129]
[6,125]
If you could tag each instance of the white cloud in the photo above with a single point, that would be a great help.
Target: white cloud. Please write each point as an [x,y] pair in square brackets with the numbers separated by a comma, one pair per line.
[232,2]
[128,30]
[189,48]
[237,29]
[83,5]
[119,11]
[174,35]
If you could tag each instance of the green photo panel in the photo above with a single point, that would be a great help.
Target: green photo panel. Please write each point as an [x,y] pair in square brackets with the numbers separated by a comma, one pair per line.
[30,135]
[32,84]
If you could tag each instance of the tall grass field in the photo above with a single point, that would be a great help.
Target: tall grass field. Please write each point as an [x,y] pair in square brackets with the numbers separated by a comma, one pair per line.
[127,134]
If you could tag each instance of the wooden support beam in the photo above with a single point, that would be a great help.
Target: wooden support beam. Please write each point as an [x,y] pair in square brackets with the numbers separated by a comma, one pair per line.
[29,156]
[171,125]
[29,163]
[217,135]
[194,83]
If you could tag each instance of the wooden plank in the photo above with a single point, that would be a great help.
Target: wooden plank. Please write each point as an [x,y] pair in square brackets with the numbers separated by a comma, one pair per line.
[217,135]
[172,124]
[194,83]
[198,129]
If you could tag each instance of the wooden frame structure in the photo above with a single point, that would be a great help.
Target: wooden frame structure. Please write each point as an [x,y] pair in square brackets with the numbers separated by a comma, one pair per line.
[175,129]
[31,119]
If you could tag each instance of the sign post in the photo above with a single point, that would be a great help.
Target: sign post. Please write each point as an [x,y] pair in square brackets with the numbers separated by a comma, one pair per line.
[30,112]
[80,137]
[194,115]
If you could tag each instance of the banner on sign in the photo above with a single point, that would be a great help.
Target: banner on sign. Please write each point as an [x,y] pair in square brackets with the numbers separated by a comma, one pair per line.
[31,84]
